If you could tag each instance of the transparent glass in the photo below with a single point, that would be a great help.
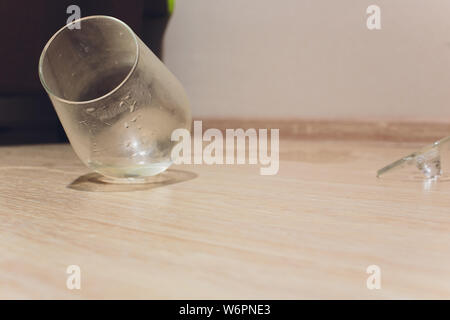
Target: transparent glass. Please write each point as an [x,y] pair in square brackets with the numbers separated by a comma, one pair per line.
[116,100]
[433,161]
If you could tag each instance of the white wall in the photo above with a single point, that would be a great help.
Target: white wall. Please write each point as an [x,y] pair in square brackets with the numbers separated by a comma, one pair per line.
[312,58]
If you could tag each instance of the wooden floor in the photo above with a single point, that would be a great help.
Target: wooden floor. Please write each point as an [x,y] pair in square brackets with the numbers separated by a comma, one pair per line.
[214,232]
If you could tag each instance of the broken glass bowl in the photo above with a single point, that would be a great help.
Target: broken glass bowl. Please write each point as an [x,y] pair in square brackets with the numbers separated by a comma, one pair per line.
[116,100]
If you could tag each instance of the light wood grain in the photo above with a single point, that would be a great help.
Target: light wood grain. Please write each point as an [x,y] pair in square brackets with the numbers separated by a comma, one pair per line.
[225,231]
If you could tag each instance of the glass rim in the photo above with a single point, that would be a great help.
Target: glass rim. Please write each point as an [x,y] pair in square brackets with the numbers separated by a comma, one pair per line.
[62,29]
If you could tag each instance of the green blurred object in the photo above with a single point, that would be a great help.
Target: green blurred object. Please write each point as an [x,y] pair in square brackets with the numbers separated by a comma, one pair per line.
[170,6]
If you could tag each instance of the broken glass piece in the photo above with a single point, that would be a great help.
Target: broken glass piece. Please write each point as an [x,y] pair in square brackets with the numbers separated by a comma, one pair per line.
[431,160]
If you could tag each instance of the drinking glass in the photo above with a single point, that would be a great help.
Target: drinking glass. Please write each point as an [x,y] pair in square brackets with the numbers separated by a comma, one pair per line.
[116,100]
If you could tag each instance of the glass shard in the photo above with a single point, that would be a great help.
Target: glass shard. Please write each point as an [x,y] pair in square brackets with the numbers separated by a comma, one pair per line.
[429,160]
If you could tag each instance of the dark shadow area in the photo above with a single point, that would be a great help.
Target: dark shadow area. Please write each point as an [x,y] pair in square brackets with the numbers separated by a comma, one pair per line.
[29,119]
[93,182]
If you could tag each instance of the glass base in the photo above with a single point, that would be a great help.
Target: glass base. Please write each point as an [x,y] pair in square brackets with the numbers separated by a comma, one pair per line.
[137,174]
[131,180]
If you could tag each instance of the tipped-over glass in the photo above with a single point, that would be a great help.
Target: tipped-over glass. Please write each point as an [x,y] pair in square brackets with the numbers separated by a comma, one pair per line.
[116,100]
[432,161]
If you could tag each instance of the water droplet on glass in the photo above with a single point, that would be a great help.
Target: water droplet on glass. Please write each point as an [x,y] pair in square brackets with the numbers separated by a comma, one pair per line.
[132,106]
